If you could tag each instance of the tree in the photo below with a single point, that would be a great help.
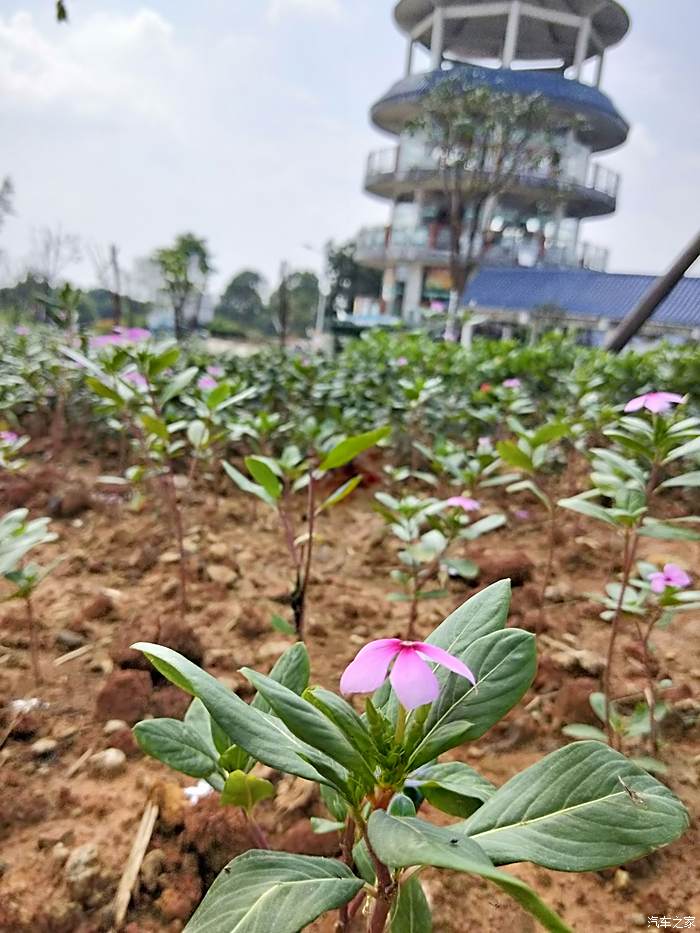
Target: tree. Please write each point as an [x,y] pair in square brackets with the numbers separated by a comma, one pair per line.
[348,279]
[293,305]
[484,140]
[108,274]
[184,267]
[53,250]
[6,194]
[242,302]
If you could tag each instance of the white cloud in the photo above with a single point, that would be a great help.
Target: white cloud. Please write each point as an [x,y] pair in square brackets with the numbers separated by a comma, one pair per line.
[277,9]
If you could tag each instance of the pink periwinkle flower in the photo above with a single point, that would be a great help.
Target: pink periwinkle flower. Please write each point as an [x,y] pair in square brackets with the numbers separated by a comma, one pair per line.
[133,334]
[402,361]
[522,514]
[511,383]
[464,502]
[22,331]
[137,379]
[107,340]
[411,677]
[207,383]
[655,402]
[215,371]
[671,576]
[8,437]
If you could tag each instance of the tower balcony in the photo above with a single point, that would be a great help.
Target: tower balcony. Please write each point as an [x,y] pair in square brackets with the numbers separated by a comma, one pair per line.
[589,192]
[380,247]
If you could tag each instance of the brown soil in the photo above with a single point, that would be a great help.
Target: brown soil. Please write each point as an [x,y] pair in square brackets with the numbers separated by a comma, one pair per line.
[116,584]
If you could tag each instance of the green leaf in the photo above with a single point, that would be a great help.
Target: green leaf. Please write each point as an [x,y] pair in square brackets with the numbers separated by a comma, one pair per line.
[261,735]
[177,745]
[281,625]
[263,475]
[411,912]
[321,826]
[581,730]
[217,395]
[345,718]
[263,891]
[664,531]
[310,725]
[103,390]
[585,507]
[464,568]
[483,526]
[550,432]
[197,434]
[453,787]
[685,450]
[403,842]
[527,485]
[504,665]
[349,448]
[155,426]
[246,485]
[511,454]
[177,384]
[246,790]
[686,479]
[585,807]
[342,492]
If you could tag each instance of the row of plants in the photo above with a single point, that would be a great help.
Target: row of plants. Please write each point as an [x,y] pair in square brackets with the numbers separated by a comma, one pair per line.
[440,429]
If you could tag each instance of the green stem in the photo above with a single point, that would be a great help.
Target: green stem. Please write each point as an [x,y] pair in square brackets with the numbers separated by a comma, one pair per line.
[400,725]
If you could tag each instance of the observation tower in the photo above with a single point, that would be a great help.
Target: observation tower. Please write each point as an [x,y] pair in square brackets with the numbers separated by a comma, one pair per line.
[555,48]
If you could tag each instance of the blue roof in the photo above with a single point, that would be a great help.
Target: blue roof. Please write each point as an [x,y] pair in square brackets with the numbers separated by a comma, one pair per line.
[579,291]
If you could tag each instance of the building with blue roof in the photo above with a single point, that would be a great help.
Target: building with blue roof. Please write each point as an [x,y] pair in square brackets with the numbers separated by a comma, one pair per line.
[529,239]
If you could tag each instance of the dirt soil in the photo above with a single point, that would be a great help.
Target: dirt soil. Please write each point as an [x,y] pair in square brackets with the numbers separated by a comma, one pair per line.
[68,820]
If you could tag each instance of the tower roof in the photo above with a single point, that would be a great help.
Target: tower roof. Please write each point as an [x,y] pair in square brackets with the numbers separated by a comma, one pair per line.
[481,36]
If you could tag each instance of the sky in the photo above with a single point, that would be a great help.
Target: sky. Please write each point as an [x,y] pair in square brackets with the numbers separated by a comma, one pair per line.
[246,121]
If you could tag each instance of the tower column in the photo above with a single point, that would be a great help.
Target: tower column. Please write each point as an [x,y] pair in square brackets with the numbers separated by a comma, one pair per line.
[409,56]
[437,41]
[584,36]
[510,44]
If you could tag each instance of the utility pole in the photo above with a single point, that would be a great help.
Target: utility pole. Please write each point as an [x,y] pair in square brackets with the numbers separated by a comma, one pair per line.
[659,291]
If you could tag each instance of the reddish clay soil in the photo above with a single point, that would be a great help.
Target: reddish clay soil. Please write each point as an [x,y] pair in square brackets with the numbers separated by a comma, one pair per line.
[116,584]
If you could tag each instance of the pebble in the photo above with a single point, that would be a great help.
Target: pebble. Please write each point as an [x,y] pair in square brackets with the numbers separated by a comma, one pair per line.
[60,853]
[219,551]
[621,880]
[169,557]
[109,763]
[114,725]
[169,588]
[220,573]
[69,640]
[43,747]
[82,868]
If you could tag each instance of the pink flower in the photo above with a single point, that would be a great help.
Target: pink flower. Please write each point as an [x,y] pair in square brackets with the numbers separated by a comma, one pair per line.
[656,402]
[22,330]
[136,379]
[8,437]
[402,361]
[412,679]
[671,576]
[134,334]
[464,502]
[511,383]
[106,340]
[207,383]
[215,371]
[522,514]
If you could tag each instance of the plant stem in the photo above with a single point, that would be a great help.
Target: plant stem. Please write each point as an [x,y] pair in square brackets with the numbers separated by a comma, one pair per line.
[650,692]
[413,611]
[33,646]
[171,496]
[346,844]
[400,725]
[548,569]
[386,890]
[310,519]
[629,553]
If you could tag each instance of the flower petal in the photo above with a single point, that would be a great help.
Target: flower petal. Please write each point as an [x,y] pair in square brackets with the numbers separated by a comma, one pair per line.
[676,576]
[657,582]
[635,404]
[440,656]
[368,670]
[412,679]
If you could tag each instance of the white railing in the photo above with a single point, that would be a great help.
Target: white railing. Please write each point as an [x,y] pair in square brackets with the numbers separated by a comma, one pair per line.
[400,163]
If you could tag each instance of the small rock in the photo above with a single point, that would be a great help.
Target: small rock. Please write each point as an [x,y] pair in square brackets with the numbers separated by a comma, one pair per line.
[220,573]
[82,868]
[169,588]
[559,592]
[151,869]
[621,880]
[638,920]
[42,748]
[109,763]
[219,551]
[169,557]
[60,853]
[114,725]
[99,607]
[69,640]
